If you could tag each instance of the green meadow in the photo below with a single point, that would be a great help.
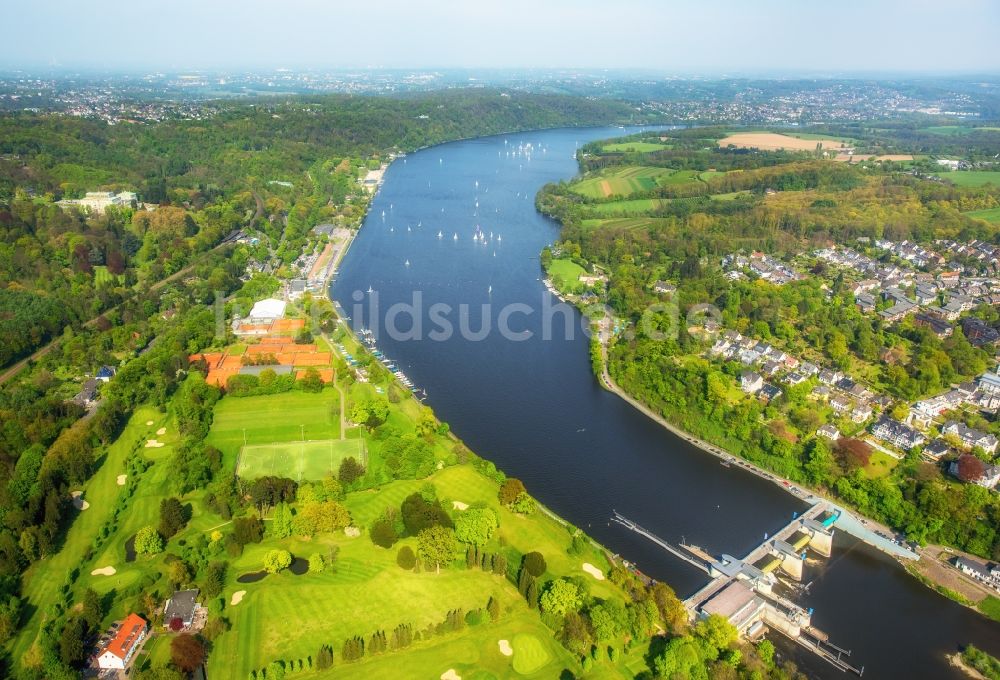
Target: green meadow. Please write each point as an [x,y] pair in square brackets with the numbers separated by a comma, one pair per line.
[991,215]
[565,275]
[635,147]
[973,178]
[630,180]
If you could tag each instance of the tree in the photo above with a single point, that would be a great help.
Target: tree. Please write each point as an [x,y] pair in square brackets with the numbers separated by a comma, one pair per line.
[311,381]
[321,517]
[510,490]
[716,632]
[248,530]
[419,514]
[187,652]
[71,649]
[92,611]
[493,607]
[970,468]
[178,573]
[172,517]
[534,563]
[276,560]
[383,533]
[214,579]
[324,657]
[405,558]
[281,523]
[316,563]
[476,526]
[436,546]
[671,609]
[148,541]
[560,597]
[523,504]
[350,470]
[609,620]
[854,452]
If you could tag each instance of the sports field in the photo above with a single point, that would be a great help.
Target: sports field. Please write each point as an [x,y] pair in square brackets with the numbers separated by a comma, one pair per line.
[627,181]
[973,178]
[298,460]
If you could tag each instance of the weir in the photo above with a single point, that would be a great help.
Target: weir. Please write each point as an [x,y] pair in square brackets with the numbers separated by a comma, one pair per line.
[742,590]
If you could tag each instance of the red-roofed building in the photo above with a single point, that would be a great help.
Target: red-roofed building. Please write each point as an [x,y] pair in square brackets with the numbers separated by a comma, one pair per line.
[125,643]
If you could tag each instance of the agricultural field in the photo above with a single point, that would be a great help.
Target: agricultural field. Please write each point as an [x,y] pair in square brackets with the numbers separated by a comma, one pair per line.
[630,180]
[957,130]
[634,147]
[565,275]
[973,178]
[772,141]
[991,215]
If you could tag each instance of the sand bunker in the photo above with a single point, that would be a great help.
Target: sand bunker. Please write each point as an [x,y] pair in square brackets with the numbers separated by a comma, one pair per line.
[352,532]
[237,597]
[153,444]
[505,648]
[459,505]
[104,571]
[78,501]
[121,480]
[148,423]
[161,431]
[593,571]
[450,674]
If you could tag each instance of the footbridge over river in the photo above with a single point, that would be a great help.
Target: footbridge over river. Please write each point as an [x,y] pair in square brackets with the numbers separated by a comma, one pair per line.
[742,590]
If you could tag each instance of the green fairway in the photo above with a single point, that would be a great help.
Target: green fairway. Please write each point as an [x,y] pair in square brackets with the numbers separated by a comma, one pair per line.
[973,178]
[635,147]
[991,215]
[529,653]
[565,275]
[42,583]
[298,460]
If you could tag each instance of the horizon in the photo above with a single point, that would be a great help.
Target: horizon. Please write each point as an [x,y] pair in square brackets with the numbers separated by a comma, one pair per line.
[690,40]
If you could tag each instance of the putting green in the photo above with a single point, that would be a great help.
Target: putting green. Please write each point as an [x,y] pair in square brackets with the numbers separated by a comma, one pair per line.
[529,653]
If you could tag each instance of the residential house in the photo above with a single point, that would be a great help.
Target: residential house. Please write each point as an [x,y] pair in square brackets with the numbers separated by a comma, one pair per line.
[751,382]
[989,478]
[937,326]
[123,646]
[828,431]
[989,383]
[861,413]
[664,288]
[770,368]
[840,404]
[987,573]
[87,396]
[179,611]
[821,392]
[897,434]
[769,392]
[105,373]
[865,302]
[828,377]
[971,437]
[937,449]
[979,332]
[898,311]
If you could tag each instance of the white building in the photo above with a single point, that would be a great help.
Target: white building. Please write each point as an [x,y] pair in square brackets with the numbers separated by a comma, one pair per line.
[267,311]
[98,201]
[122,647]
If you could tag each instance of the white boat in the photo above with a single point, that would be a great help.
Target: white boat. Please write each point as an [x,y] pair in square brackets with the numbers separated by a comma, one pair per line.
[370,291]
[455,237]
[490,290]
[408,228]
[407,263]
[440,235]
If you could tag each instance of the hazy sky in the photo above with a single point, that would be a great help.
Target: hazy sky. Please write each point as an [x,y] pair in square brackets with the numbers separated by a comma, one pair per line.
[710,36]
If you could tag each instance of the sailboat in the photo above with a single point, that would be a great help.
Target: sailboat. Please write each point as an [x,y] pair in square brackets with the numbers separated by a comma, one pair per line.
[440,235]
[370,291]
[408,228]
[455,237]
[489,290]
[407,263]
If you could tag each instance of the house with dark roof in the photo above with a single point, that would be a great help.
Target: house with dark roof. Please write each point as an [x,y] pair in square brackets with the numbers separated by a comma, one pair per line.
[105,373]
[896,433]
[87,396]
[971,437]
[987,573]
[937,449]
[179,611]
[769,392]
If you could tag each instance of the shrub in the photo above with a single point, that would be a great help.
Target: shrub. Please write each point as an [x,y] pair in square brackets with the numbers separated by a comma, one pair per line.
[406,558]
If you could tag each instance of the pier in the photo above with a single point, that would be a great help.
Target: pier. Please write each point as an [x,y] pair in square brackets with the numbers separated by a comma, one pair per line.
[742,589]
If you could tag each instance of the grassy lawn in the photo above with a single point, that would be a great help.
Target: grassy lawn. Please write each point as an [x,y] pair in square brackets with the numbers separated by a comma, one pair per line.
[102,275]
[565,275]
[42,582]
[638,205]
[991,215]
[636,147]
[298,460]
[880,465]
[991,607]
[973,178]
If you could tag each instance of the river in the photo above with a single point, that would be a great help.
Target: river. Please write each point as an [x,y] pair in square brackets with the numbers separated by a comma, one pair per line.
[534,408]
